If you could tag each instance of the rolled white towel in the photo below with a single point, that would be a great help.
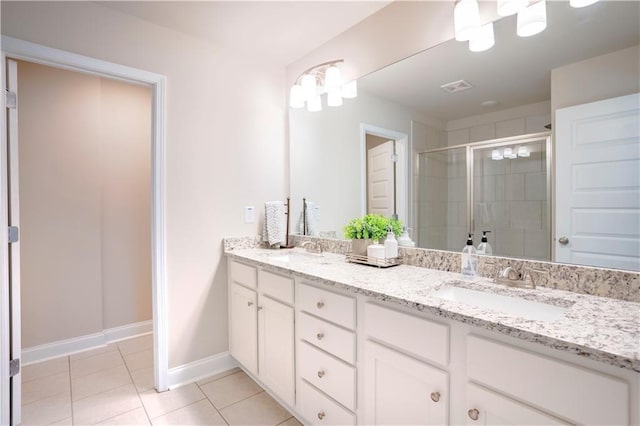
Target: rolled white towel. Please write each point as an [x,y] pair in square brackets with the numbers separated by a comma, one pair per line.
[274,231]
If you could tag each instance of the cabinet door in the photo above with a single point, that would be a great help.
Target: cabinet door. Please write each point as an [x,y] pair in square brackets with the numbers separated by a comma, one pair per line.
[243,338]
[276,343]
[399,389]
[486,407]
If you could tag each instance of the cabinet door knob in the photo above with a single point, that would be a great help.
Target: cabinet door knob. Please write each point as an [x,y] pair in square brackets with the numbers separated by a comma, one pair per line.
[563,240]
[321,374]
[259,308]
[473,414]
[320,336]
[321,415]
[249,303]
[320,305]
[435,396]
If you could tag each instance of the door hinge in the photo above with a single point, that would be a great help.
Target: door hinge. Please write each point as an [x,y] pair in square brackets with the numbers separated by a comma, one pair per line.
[14,234]
[14,367]
[11,99]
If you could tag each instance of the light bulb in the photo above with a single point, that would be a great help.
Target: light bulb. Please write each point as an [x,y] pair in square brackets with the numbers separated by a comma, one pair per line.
[466,19]
[532,20]
[511,7]
[334,97]
[483,39]
[495,155]
[314,104]
[582,3]
[296,98]
[332,79]
[523,151]
[309,86]
[350,89]
[508,153]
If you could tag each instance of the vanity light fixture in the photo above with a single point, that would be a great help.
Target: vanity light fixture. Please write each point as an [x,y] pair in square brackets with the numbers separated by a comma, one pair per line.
[466,19]
[483,39]
[496,155]
[315,82]
[532,19]
[523,151]
[511,7]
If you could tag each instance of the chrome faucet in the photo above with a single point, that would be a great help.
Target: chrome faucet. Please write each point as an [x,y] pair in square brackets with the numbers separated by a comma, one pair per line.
[312,246]
[527,278]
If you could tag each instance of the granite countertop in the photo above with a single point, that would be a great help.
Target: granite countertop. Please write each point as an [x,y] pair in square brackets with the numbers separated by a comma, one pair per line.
[602,329]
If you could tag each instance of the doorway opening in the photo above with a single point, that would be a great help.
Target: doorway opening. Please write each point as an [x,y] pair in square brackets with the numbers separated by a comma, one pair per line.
[12,50]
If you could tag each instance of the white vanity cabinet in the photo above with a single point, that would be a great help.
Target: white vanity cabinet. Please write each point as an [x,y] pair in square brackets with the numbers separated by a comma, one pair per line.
[399,386]
[326,354]
[261,327]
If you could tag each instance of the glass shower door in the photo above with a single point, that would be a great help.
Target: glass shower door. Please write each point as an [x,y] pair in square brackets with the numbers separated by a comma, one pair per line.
[510,199]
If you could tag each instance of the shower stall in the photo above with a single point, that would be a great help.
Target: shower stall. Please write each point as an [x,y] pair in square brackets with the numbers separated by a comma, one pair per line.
[501,186]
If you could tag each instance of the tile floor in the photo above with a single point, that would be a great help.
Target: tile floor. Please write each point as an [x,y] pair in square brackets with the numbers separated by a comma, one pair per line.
[114,386]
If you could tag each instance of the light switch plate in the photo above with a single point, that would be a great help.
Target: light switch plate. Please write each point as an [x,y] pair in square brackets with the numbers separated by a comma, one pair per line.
[249,214]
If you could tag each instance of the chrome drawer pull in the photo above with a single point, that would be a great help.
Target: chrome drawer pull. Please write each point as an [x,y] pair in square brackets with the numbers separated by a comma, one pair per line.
[320,336]
[321,374]
[321,415]
[473,414]
[435,396]
[320,305]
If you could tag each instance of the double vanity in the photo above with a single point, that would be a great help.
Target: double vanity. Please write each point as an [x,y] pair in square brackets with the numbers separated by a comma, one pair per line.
[339,343]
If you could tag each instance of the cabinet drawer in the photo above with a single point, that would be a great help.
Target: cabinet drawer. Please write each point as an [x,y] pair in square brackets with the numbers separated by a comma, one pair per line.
[418,336]
[336,378]
[317,409]
[568,391]
[330,306]
[331,338]
[276,286]
[242,274]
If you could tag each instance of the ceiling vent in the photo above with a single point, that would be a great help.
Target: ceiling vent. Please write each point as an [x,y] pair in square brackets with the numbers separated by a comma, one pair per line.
[456,86]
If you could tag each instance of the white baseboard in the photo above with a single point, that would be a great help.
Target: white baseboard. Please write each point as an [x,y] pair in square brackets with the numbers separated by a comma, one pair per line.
[200,369]
[66,347]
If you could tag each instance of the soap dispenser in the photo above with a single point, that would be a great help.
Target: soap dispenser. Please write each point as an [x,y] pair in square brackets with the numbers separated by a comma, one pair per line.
[390,245]
[469,264]
[405,239]
[484,247]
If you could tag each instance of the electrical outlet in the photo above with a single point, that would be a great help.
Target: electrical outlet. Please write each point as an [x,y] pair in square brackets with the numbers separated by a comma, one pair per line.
[249,214]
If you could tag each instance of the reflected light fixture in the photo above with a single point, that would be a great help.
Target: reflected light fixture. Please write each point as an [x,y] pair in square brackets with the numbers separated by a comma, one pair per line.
[511,7]
[466,19]
[532,19]
[523,151]
[315,82]
[581,3]
[483,39]
[496,155]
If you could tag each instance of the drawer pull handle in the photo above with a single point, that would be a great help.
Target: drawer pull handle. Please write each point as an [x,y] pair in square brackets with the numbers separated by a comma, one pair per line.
[259,308]
[435,396]
[249,303]
[321,415]
[320,305]
[320,336]
[473,414]
[321,374]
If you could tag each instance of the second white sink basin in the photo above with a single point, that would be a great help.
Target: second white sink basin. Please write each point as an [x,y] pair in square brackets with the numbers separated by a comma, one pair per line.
[515,306]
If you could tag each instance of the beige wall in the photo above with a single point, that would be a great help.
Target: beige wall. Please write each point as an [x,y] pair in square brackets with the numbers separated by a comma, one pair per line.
[85,203]
[225,147]
[607,76]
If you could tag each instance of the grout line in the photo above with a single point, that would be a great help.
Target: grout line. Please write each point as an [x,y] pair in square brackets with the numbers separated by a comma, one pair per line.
[134,386]
[73,420]
[243,399]
[285,420]
[211,402]
[117,415]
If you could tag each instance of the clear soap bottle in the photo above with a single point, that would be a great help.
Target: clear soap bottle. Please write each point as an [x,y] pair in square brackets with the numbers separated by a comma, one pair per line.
[484,247]
[469,264]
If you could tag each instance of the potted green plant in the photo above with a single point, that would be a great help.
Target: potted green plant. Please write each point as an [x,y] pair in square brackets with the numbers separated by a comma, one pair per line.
[364,231]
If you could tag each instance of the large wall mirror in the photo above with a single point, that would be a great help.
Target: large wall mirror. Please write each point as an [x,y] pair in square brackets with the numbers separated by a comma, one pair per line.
[542,149]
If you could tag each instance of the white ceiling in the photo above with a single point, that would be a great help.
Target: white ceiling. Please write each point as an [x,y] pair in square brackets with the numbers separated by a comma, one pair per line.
[516,71]
[283,31]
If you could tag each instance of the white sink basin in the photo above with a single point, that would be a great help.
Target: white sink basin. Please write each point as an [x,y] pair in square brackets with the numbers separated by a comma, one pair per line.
[509,305]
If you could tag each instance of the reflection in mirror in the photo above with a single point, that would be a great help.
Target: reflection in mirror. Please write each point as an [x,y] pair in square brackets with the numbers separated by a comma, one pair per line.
[572,81]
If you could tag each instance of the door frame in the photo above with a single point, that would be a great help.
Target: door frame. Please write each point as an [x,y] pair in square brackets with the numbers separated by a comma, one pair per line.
[22,50]
[403,147]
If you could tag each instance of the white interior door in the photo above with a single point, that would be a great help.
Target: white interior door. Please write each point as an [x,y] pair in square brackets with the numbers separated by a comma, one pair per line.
[380,180]
[598,183]
[14,248]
